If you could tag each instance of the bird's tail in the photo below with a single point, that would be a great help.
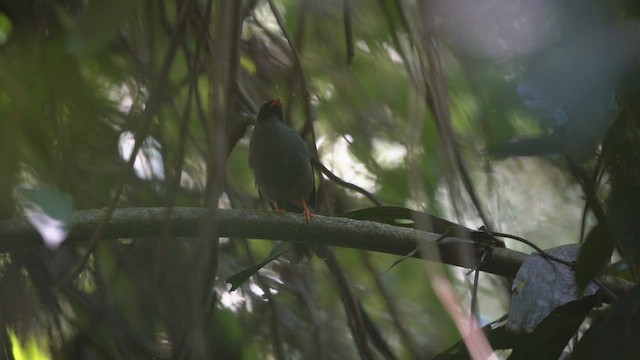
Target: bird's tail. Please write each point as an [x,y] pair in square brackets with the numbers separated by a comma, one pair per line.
[299,251]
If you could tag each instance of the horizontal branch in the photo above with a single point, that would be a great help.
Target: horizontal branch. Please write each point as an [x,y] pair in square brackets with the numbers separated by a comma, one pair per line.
[16,234]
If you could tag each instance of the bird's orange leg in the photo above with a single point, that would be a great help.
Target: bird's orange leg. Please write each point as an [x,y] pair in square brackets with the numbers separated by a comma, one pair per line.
[307,213]
[278,210]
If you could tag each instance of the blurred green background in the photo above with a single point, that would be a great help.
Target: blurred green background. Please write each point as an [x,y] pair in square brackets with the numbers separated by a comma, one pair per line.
[426,104]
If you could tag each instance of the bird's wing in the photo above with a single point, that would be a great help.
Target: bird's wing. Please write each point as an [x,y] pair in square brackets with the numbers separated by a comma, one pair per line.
[312,196]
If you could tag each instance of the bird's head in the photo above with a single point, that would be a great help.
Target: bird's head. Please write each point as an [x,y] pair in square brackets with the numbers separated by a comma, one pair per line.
[270,110]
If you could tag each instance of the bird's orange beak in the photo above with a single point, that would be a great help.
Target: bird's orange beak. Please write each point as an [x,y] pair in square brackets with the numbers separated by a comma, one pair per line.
[276,102]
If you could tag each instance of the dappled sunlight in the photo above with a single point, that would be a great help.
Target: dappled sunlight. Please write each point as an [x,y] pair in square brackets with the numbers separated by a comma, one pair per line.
[48,210]
[338,158]
[527,196]
[235,301]
[388,154]
[148,164]
[53,231]
[31,348]
[124,97]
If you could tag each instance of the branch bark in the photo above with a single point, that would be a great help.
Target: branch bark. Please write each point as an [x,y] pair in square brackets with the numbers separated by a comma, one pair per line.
[18,234]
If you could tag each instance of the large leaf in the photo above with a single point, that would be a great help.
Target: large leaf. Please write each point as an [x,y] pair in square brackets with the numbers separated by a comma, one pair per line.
[239,278]
[542,285]
[399,216]
[615,335]
[547,340]
[552,335]
[622,216]
[594,255]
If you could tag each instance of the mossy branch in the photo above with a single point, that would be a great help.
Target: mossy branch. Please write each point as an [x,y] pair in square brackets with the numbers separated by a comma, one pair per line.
[16,234]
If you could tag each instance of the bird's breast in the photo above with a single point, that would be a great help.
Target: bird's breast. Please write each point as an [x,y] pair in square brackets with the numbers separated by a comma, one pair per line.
[280,162]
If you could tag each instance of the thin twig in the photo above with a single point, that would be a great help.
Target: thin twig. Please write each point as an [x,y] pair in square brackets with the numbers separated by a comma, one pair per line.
[306,96]
[351,308]
[474,291]
[394,313]
[152,107]
[542,253]
[348,30]
[280,354]
[323,169]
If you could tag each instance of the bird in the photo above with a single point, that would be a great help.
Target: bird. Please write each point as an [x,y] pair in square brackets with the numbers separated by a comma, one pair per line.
[281,163]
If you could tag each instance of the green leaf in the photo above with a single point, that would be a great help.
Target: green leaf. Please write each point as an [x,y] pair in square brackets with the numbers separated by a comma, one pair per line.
[239,278]
[99,23]
[399,216]
[594,255]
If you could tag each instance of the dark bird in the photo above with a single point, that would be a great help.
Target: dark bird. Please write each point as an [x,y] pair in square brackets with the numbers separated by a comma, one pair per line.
[281,162]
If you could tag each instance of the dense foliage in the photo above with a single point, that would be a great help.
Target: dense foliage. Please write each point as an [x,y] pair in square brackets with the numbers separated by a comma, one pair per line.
[520,117]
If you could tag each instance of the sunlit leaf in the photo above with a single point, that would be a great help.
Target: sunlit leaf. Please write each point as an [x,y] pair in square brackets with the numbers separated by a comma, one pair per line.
[29,349]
